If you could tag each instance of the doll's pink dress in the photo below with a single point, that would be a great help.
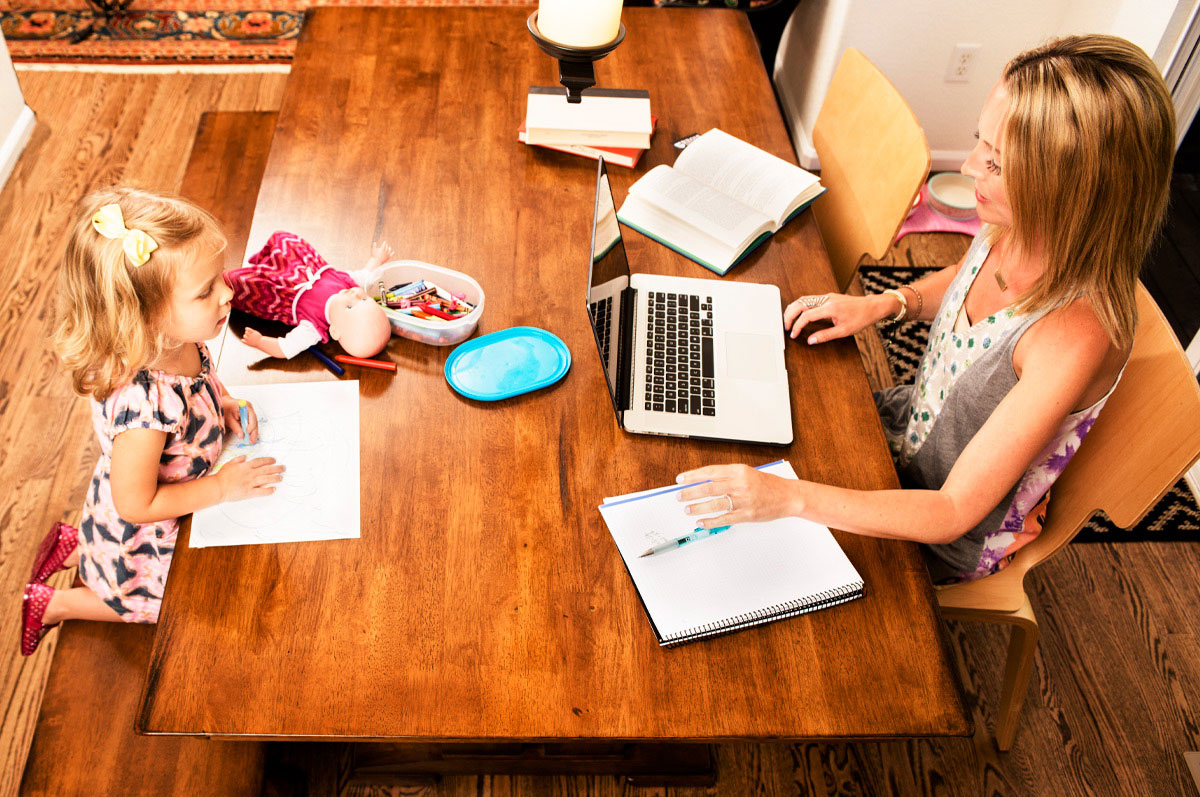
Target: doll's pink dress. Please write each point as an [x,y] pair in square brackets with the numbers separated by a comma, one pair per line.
[287,280]
[124,563]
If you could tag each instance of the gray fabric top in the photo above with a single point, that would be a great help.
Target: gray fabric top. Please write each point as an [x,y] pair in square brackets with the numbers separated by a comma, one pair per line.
[968,404]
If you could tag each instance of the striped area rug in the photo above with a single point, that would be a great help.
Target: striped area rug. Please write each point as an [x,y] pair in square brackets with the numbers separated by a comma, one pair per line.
[1176,517]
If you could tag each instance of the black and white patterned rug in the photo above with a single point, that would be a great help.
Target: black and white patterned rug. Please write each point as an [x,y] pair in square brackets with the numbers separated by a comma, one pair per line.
[1175,517]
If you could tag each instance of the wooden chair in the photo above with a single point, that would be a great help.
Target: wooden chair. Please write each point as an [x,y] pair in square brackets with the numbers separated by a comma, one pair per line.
[874,160]
[1145,439]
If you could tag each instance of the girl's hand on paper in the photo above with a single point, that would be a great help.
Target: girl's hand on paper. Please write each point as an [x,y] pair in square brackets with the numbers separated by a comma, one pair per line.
[848,314]
[739,493]
[240,478]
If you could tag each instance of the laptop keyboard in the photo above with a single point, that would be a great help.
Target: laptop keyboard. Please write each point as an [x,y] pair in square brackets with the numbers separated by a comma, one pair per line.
[679,354]
[602,318]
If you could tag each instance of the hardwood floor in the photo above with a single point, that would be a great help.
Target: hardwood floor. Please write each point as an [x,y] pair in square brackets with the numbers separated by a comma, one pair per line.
[1115,700]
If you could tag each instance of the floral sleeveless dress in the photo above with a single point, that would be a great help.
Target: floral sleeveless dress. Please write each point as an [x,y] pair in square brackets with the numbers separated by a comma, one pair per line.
[969,367]
[125,563]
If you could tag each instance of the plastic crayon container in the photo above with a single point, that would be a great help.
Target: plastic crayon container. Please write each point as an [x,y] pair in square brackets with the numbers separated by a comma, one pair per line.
[435,332]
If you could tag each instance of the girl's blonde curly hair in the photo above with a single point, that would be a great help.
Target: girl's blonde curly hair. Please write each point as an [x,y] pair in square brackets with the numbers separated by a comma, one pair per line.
[110,312]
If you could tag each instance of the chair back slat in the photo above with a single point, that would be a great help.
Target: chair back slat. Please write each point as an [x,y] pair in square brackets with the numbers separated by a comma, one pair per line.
[1145,439]
[874,160]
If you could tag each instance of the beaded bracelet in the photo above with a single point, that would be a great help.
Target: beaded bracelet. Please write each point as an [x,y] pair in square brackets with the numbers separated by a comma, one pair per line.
[920,301]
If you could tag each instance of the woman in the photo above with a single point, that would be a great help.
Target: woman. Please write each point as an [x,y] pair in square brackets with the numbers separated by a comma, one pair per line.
[1031,330]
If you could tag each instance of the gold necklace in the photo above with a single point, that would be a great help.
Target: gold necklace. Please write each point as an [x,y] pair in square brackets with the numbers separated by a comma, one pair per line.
[1000,280]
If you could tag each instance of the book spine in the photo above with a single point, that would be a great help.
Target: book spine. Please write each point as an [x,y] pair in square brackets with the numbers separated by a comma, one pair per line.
[770,614]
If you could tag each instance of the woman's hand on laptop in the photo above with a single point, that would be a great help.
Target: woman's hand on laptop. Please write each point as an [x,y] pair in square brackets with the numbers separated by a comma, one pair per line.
[736,494]
[848,314]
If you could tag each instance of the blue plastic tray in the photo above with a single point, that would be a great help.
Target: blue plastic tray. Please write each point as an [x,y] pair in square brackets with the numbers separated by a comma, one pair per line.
[507,363]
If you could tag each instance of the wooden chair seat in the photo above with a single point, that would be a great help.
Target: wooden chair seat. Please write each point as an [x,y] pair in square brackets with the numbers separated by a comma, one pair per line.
[84,742]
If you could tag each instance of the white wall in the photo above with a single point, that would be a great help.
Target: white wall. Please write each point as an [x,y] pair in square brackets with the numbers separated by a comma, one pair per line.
[912,42]
[16,119]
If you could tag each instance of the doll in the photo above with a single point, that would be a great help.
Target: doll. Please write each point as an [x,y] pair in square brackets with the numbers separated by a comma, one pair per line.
[288,281]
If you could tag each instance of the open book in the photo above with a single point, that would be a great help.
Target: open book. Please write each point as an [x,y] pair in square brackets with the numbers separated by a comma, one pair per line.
[753,573]
[721,199]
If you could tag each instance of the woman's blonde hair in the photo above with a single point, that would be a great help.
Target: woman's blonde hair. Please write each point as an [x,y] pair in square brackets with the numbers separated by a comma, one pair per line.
[110,311]
[1086,156]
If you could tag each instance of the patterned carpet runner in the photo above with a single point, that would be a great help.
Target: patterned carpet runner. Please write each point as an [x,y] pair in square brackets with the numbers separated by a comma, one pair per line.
[188,32]
[1175,517]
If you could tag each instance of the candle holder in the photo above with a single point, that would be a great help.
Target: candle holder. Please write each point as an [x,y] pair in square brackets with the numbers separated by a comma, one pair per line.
[575,69]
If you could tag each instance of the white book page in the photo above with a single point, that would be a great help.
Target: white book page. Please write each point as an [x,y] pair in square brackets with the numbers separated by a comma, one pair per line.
[750,568]
[750,175]
[639,213]
[312,429]
[691,201]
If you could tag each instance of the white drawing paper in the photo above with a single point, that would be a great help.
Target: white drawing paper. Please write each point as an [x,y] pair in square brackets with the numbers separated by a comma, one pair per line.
[312,429]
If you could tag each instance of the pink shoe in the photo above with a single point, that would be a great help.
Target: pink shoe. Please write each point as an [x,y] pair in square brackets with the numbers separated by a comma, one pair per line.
[54,550]
[33,609]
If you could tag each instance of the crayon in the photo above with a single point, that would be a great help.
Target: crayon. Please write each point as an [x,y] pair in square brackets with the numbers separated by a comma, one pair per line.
[382,365]
[244,416]
[328,363]
[429,308]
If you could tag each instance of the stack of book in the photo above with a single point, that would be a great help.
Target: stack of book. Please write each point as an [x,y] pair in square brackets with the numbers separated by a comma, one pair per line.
[615,124]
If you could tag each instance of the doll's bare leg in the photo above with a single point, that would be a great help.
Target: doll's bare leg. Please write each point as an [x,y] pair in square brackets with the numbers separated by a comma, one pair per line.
[78,603]
[72,560]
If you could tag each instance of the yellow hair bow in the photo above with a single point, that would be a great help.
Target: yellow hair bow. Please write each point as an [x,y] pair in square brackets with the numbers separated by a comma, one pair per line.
[137,244]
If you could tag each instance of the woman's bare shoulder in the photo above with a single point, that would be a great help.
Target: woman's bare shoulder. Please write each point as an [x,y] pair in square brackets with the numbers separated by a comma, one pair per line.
[1071,338]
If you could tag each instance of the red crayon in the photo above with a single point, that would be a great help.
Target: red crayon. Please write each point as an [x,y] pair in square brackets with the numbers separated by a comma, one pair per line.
[382,365]
[429,308]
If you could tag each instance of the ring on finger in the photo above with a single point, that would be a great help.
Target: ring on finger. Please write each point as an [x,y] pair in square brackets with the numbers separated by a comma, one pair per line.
[813,302]
[730,500]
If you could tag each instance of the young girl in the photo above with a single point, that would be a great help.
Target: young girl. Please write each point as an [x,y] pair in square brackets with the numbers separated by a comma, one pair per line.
[141,290]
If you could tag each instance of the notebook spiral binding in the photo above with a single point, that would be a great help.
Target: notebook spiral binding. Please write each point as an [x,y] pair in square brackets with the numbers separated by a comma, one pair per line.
[780,611]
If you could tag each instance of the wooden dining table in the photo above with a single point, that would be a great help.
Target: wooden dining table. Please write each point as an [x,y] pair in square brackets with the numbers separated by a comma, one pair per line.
[485,601]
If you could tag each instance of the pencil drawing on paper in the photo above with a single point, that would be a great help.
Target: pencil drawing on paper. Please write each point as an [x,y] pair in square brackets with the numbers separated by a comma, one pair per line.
[296,444]
[312,430]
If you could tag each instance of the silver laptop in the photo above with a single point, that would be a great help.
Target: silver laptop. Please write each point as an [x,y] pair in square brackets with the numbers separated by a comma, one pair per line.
[681,356]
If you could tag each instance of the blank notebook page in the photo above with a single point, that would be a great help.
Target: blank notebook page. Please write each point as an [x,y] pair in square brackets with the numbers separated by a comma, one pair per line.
[752,573]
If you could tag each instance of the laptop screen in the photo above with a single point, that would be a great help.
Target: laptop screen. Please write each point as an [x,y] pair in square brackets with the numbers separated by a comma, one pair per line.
[608,300]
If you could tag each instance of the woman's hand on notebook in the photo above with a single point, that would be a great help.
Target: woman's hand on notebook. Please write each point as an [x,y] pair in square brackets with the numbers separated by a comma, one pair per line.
[736,494]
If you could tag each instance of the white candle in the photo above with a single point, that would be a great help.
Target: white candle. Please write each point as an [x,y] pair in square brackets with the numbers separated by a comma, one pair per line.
[579,23]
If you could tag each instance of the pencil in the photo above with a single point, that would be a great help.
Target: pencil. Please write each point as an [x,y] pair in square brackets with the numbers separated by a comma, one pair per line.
[328,363]
[380,364]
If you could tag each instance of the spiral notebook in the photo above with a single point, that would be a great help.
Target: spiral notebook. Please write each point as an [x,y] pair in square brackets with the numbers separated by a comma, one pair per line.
[754,573]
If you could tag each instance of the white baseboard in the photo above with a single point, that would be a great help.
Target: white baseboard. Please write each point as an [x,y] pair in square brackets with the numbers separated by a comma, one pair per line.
[948,160]
[15,141]
[1192,477]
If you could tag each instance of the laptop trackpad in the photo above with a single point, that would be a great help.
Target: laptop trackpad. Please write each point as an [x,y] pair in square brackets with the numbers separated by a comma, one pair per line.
[750,356]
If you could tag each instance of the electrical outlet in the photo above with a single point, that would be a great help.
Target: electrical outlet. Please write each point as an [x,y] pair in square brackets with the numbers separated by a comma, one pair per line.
[962,63]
